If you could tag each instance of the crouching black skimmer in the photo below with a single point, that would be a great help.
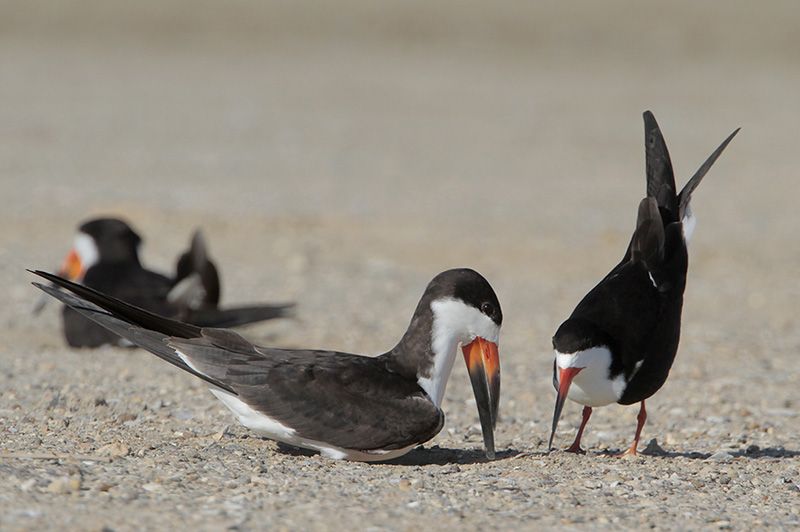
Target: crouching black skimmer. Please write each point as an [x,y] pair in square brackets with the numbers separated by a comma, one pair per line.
[105,256]
[620,341]
[342,405]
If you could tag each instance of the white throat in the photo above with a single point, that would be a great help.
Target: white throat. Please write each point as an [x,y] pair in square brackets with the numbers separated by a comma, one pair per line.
[454,323]
[87,251]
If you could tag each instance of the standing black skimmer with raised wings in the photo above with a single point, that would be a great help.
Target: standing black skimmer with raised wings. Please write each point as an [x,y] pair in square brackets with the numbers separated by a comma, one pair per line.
[620,341]
[342,405]
[105,256]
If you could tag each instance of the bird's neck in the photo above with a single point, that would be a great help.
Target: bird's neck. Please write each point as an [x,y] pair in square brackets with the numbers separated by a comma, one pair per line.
[427,351]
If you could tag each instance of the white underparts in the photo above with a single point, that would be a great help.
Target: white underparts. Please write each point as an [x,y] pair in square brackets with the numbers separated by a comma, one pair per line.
[592,385]
[689,222]
[86,249]
[454,323]
[275,430]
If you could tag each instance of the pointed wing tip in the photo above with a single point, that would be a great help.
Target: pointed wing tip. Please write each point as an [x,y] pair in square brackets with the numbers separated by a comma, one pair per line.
[43,274]
[198,235]
[648,206]
[649,120]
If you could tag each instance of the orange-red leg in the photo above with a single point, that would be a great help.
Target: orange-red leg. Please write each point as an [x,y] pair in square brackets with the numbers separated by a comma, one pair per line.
[576,445]
[640,419]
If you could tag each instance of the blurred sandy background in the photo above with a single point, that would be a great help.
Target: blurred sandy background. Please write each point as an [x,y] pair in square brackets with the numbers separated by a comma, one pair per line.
[341,154]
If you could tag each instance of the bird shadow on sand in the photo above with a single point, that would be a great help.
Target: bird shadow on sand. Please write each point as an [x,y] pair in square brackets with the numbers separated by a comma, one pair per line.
[426,455]
[436,455]
[750,454]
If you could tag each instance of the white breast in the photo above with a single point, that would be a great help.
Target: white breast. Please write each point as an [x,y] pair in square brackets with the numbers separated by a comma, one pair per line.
[592,386]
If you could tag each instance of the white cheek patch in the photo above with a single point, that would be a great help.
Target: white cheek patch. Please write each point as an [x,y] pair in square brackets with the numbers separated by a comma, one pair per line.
[454,323]
[86,249]
[454,317]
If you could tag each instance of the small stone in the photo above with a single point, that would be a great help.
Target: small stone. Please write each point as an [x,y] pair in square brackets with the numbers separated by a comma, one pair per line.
[126,417]
[404,484]
[151,487]
[28,484]
[452,468]
[114,450]
[721,456]
[752,449]
[64,485]
[217,436]
[653,448]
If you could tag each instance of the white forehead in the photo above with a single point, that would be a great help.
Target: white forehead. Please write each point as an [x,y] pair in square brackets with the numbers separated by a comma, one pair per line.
[87,251]
[466,321]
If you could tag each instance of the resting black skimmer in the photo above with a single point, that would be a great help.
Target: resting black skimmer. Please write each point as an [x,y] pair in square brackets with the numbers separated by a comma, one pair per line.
[620,341]
[342,405]
[105,256]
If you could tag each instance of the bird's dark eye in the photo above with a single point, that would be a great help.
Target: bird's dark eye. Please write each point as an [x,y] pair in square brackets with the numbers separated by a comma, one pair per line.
[487,308]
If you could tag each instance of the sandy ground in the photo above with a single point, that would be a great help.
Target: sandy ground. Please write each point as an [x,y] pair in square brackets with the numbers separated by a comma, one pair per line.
[341,158]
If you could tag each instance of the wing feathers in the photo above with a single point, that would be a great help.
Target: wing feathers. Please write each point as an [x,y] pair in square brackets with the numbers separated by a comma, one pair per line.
[150,340]
[686,194]
[660,177]
[648,239]
[126,312]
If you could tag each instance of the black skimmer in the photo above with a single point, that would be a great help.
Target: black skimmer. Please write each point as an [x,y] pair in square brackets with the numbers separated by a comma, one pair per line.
[344,406]
[105,256]
[620,341]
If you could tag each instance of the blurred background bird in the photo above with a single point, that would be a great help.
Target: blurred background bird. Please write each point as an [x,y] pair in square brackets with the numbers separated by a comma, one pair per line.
[105,256]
